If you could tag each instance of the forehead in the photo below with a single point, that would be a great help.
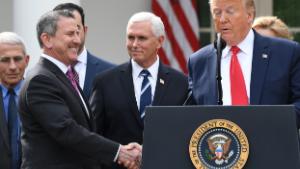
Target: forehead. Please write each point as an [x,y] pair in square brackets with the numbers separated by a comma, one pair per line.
[8,50]
[141,27]
[66,23]
[223,4]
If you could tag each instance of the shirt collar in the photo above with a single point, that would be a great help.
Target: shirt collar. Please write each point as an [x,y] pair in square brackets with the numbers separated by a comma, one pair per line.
[58,63]
[245,46]
[82,58]
[17,89]
[136,68]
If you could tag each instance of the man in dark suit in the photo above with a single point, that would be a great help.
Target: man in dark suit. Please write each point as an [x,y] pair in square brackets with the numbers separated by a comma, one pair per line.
[87,65]
[13,61]
[56,119]
[269,67]
[119,95]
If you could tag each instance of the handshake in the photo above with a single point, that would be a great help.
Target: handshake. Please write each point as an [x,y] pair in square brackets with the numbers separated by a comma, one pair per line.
[130,156]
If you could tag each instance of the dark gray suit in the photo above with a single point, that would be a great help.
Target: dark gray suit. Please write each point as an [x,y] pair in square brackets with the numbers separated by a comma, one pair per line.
[57,132]
[114,104]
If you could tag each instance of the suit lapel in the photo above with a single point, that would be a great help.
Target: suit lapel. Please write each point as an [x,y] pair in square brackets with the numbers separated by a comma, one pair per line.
[161,84]
[62,77]
[3,123]
[127,83]
[211,70]
[90,68]
[261,57]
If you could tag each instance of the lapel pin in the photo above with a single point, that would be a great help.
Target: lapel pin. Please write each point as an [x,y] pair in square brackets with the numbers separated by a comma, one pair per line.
[264,56]
[161,81]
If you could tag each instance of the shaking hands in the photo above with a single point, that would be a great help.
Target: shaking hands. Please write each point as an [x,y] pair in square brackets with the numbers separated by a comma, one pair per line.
[130,155]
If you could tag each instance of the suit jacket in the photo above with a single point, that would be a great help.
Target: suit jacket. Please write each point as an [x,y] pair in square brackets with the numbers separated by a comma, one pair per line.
[114,104]
[4,138]
[57,132]
[275,76]
[94,66]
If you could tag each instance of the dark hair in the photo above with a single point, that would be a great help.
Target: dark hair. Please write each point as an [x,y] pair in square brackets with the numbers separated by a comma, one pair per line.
[48,23]
[71,7]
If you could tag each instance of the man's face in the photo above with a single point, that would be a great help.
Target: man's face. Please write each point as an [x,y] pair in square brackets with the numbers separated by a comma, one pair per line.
[142,44]
[231,19]
[64,45]
[82,30]
[13,62]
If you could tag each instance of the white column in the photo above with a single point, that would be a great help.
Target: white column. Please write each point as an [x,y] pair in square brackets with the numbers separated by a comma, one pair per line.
[26,14]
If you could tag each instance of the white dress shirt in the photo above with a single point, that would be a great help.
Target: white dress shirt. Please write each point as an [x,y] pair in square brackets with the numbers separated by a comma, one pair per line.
[80,67]
[138,80]
[245,57]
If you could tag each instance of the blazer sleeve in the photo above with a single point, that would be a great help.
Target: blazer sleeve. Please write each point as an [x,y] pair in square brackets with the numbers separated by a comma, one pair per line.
[48,104]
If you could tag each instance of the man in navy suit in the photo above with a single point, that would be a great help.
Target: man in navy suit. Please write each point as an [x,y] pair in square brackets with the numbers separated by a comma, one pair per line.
[118,98]
[269,67]
[88,65]
[13,61]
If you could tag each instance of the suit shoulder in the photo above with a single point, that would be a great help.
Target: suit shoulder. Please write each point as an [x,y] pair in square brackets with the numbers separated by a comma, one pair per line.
[111,73]
[204,52]
[99,61]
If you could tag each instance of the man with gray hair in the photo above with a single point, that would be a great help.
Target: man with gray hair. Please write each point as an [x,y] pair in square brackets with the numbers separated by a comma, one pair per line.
[13,61]
[121,94]
[56,118]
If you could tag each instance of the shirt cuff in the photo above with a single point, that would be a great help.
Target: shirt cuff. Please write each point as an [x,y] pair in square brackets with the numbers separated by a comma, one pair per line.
[117,155]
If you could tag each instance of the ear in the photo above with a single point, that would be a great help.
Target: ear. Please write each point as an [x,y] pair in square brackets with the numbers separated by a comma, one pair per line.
[85,29]
[27,57]
[161,40]
[46,40]
[250,16]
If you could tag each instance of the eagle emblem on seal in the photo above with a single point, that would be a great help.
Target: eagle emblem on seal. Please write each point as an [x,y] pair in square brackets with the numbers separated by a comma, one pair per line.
[219,146]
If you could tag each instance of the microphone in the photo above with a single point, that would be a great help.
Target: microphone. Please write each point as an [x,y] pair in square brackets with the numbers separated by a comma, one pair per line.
[189,99]
[219,45]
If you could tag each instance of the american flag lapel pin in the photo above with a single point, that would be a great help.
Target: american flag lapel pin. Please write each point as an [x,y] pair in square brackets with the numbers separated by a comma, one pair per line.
[161,81]
[264,56]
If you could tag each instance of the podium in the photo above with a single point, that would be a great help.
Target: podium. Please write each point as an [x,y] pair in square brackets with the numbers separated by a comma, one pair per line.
[271,132]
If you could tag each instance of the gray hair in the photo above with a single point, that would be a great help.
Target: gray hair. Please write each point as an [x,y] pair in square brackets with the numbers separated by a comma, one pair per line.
[48,23]
[158,27]
[12,38]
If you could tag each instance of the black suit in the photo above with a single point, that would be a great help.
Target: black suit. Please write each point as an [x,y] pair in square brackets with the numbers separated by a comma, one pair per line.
[57,132]
[4,138]
[114,104]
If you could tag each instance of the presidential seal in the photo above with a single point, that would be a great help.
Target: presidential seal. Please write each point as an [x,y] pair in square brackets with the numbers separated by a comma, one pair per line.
[219,144]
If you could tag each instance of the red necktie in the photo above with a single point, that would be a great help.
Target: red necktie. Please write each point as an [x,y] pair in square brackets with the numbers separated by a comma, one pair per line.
[237,82]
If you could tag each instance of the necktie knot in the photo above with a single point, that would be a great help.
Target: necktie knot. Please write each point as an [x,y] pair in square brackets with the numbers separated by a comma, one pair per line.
[11,92]
[235,50]
[145,73]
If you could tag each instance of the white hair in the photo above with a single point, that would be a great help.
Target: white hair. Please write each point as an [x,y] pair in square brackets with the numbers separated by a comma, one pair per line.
[12,38]
[158,27]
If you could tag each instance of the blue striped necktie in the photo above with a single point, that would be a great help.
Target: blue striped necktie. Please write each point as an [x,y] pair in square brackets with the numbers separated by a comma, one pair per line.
[13,129]
[146,97]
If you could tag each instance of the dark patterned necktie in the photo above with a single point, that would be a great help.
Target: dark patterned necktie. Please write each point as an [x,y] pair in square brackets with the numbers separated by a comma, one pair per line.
[12,123]
[71,74]
[146,97]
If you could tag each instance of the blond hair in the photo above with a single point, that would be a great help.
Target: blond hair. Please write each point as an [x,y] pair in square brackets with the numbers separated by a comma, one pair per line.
[274,24]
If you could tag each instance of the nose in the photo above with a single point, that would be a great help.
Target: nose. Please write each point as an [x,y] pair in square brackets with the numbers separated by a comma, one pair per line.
[76,39]
[135,42]
[223,18]
[12,64]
